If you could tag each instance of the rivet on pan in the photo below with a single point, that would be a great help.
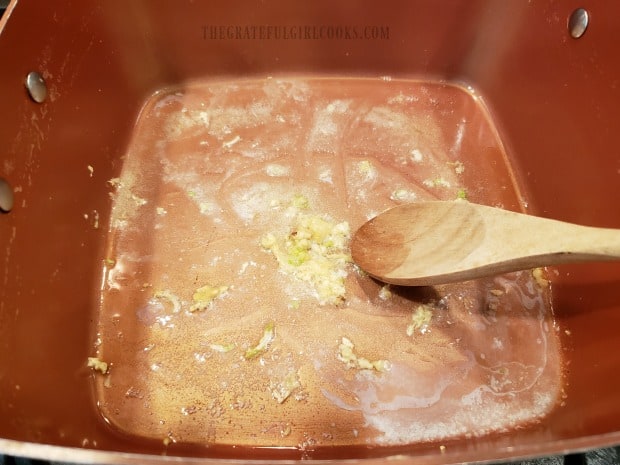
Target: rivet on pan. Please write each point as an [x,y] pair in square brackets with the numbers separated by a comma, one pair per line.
[6,196]
[36,87]
[578,23]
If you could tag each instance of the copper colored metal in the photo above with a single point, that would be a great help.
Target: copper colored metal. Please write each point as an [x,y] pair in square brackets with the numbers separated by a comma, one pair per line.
[552,100]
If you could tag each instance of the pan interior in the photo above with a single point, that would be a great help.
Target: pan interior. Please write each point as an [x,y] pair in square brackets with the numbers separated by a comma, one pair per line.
[230,313]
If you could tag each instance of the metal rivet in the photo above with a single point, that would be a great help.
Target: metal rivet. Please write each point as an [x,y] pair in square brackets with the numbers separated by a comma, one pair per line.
[6,196]
[36,87]
[578,23]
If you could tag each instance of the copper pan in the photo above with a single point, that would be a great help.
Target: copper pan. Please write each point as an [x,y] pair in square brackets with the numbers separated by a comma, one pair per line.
[552,91]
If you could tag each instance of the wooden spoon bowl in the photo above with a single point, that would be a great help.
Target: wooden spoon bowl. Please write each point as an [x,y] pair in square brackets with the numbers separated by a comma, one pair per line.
[428,243]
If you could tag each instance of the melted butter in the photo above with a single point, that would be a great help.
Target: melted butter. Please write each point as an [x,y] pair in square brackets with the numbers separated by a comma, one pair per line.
[217,167]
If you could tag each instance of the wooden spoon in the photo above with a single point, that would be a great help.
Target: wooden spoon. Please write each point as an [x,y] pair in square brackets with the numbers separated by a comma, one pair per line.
[427,243]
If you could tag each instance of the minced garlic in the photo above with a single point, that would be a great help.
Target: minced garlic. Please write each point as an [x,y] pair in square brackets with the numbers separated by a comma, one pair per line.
[348,356]
[170,297]
[437,182]
[366,168]
[205,295]
[268,336]
[459,167]
[222,348]
[385,292]
[539,276]
[285,431]
[300,202]
[114,182]
[98,365]
[139,201]
[420,320]
[403,195]
[316,252]
[282,390]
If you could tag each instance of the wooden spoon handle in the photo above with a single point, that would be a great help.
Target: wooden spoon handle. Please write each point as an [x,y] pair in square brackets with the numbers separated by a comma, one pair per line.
[436,242]
[536,241]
